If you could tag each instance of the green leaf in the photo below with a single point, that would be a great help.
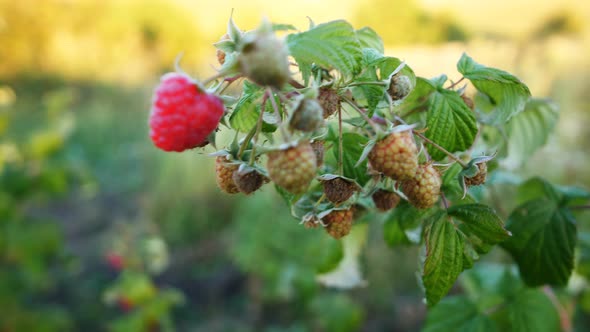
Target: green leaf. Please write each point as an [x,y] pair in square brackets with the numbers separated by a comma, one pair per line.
[533,311]
[401,221]
[542,243]
[353,148]
[368,38]
[418,97]
[331,45]
[374,63]
[373,94]
[482,221]
[283,27]
[529,130]
[452,189]
[370,57]
[444,258]
[451,124]
[247,110]
[505,91]
[491,283]
[387,65]
[537,188]
[458,313]
[583,257]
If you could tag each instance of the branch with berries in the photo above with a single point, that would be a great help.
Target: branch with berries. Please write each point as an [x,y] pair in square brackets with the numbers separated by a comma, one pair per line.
[344,131]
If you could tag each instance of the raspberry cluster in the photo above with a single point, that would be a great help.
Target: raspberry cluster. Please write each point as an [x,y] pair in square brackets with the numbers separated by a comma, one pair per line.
[296,134]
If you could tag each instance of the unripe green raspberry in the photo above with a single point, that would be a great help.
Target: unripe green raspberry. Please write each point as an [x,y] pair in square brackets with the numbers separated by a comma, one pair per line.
[293,168]
[423,189]
[399,87]
[264,58]
[338,223]
[396,156]
[308,116]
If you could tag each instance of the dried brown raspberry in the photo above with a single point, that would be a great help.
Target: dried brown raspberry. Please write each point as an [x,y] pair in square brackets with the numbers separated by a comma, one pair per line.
[248,180]
[338,190]
[480,177]
[385,200]
[329,100]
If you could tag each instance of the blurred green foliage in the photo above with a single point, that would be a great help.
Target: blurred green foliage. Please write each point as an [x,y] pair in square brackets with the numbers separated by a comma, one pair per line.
[406,21]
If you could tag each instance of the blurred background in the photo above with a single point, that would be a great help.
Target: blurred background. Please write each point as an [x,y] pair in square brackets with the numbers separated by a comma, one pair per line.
[100,231]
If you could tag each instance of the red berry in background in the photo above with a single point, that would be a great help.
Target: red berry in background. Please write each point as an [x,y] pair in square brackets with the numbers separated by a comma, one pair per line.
[182,115]
[115,261]
[125,304]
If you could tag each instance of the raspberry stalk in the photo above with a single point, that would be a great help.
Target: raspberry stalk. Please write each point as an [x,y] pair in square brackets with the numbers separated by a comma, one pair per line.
[450,155]
[354,105]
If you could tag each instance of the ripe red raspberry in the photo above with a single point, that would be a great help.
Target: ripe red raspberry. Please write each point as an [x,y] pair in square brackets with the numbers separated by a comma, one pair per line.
[423,190]
[224,173]
[115,261]
[385,200]
[396,156]
[293,168]
[182,116]
[338,223]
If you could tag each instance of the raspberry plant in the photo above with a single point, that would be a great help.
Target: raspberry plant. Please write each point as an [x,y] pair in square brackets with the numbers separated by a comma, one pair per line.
[343,131]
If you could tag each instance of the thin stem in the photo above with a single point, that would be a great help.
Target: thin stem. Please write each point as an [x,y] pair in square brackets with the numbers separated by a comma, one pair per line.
[340,147]
[245,142]
[379,83]
[296,84]
[456,83]
[444,200]
[564,316]
[213,78]
[362,113]
[258,130]
[580,207]
[452,156]
[275,107]
[319,200]
[229,81]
